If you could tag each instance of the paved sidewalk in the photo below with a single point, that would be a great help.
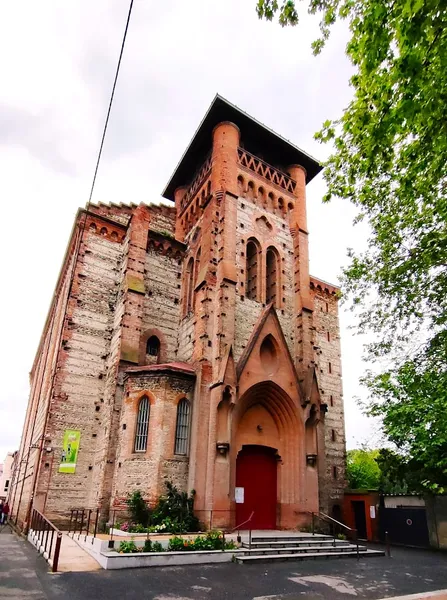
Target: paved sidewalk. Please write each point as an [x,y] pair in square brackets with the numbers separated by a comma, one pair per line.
[440,595]
[74,559]
[18,578]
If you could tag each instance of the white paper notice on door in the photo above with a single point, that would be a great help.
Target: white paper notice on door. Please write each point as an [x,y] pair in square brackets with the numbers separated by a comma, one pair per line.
[372,512]
[239,495]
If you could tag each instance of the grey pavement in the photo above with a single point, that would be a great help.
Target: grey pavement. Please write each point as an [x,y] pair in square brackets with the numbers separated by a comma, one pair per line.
[24,575]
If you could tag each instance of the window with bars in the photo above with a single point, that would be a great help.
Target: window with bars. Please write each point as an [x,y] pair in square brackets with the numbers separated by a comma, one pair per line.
[182,427]
[144,409]
[271,277]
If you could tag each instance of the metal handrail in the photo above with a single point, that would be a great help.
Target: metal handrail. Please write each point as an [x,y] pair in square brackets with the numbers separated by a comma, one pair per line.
[41,526]
[238,527]
[324,517]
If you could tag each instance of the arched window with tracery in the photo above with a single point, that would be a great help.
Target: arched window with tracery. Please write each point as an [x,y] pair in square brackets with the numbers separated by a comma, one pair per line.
[189,286]
[182,428]
[142,429]
[252,269]
[271,274]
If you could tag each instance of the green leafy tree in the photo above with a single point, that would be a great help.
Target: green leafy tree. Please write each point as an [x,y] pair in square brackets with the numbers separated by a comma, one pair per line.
[362,470]
[389,159]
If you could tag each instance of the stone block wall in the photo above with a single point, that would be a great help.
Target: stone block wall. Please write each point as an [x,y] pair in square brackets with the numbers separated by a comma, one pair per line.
[79,400]
[162,299]
[27,464]
[328,369]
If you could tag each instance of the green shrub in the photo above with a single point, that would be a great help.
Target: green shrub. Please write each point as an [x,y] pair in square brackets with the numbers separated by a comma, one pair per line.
[213,540]
[127,547]
[138,509]
[178,544]
[157,547]
[175,510]
[147,546]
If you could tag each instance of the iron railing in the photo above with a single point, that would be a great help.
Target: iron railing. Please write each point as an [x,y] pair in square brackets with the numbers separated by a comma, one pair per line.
[49,538]
[334,526]
[239,527]
[84,521]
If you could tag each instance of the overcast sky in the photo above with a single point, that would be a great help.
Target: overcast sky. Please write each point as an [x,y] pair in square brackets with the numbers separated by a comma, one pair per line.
[57,69]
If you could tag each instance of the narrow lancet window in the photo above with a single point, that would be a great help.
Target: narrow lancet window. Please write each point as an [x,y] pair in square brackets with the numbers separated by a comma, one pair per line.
[271,284]
[141,433]
[252,267]
[182,428]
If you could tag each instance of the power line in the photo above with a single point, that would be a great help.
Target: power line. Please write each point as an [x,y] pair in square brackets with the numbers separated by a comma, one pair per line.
[110,103]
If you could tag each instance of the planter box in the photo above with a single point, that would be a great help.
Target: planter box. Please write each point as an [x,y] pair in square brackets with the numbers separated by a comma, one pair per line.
[127,535]
[114,560]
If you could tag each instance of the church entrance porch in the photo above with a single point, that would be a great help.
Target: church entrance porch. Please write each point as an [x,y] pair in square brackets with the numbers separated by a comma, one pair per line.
[256,475]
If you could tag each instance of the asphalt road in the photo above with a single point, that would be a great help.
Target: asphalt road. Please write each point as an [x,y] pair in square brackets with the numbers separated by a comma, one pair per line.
[24,576]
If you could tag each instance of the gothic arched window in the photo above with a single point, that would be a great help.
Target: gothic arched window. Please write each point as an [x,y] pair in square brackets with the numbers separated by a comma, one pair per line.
[144,409]
[252,269]
[271,274]
[182,427]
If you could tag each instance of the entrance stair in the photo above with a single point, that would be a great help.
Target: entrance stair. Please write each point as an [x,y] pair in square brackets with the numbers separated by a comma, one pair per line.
[300,547]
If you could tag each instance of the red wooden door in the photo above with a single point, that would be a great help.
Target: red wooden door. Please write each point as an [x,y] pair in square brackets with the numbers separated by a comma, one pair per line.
[256,468]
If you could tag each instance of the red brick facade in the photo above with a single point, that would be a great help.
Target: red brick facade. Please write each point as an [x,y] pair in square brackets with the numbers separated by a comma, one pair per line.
[200,326]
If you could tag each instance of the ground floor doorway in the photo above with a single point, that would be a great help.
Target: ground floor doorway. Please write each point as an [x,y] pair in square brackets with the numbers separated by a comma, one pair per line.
[358,508]
[256,480]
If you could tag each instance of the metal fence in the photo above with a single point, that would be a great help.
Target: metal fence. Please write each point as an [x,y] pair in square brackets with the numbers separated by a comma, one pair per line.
[49,538]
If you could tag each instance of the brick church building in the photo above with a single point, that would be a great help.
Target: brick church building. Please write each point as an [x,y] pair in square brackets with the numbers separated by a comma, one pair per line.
[189,343]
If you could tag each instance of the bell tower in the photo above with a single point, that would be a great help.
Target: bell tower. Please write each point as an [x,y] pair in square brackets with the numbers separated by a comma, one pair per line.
[240,196]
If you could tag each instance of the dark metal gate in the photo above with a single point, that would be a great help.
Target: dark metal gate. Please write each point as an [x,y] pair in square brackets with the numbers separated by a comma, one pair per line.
[406,526]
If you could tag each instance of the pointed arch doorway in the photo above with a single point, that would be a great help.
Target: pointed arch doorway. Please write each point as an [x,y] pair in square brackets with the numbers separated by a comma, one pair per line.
[256,473]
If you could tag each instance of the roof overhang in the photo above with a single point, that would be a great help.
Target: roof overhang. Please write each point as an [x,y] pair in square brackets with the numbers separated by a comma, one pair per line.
[275,148]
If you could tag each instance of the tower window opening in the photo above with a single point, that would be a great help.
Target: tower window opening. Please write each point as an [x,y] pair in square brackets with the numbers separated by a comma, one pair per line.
[252,262]
[271,276]
[189,286]
[153,346]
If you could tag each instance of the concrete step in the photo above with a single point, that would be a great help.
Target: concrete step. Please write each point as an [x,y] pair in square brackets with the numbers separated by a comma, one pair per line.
[296,543]
[311,549]
[307,556]
[290,538]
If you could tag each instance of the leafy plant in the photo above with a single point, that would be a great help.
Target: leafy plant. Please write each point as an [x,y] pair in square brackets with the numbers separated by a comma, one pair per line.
[157,547]
[138,509]
[175,510]
[128,547]
[147,546]
[177,544]
[213,540]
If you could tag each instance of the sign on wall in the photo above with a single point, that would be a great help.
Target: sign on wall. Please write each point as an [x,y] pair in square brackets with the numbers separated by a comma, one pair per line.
[239,495]
[70,447]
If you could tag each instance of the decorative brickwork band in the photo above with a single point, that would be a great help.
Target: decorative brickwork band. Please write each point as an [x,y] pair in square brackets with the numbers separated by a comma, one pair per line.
[265,170]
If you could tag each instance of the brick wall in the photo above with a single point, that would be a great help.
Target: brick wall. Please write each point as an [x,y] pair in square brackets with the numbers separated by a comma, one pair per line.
[147,471]
[328,362]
